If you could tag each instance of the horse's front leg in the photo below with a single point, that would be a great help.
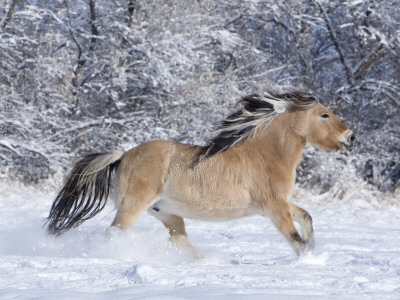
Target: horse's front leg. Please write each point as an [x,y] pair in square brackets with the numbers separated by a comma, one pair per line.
[302,217]
[279,212]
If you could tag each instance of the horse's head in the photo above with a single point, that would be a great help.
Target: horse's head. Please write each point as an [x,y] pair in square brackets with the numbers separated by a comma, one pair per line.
[311,121]
[326,131]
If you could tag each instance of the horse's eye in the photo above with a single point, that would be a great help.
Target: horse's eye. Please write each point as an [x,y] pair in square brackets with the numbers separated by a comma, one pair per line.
[325,116]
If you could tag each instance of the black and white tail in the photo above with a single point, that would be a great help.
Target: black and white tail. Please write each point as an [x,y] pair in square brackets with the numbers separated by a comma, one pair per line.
[85,191]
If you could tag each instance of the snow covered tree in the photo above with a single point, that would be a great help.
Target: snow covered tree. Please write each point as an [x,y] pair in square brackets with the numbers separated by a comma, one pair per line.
[95,75]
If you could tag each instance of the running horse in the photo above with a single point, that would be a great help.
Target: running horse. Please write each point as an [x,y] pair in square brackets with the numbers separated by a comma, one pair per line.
[248,168]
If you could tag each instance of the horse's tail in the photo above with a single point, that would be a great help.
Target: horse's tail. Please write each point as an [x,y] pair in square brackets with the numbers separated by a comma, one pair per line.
[85,191]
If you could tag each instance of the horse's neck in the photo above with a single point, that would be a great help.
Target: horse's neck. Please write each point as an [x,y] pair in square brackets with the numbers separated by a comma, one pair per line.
[280,141]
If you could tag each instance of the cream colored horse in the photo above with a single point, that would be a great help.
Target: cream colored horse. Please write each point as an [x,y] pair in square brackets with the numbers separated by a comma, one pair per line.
[249,168]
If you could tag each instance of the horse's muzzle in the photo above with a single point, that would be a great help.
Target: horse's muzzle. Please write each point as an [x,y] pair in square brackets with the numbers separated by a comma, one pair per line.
[349,141]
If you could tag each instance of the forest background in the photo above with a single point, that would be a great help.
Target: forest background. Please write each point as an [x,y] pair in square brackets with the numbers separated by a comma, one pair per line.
[96,75]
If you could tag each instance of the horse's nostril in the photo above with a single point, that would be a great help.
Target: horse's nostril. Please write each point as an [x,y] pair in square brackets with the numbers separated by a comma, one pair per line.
[352,138]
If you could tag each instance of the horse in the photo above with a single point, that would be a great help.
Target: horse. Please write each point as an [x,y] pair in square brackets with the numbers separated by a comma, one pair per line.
[247,168]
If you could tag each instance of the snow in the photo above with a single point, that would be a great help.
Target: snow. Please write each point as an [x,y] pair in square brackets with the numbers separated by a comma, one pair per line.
[356,254]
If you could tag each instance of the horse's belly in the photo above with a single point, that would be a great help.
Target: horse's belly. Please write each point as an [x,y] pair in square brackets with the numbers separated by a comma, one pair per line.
[212,208]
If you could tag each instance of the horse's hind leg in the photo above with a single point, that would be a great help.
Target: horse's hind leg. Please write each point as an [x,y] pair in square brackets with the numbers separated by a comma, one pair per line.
[138,197]
[301,216]
[177,232]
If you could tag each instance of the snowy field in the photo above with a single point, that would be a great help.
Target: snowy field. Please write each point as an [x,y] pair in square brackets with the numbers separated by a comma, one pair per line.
[357,254]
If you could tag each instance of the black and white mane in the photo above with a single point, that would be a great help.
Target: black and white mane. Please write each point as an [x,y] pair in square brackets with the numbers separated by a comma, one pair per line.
[257,110]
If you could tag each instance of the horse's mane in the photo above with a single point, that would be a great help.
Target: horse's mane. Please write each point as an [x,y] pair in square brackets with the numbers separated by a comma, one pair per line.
[257,109]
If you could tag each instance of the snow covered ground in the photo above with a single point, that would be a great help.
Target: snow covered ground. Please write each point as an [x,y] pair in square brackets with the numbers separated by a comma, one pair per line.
[357,254]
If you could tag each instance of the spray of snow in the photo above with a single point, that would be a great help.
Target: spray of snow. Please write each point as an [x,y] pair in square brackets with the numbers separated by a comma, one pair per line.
[356,253]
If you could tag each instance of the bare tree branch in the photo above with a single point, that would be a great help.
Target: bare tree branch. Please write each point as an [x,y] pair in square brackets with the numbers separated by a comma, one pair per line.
[332,33]
[369,60]
[95,32]
[8,16]
[131,10]
[234,19]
